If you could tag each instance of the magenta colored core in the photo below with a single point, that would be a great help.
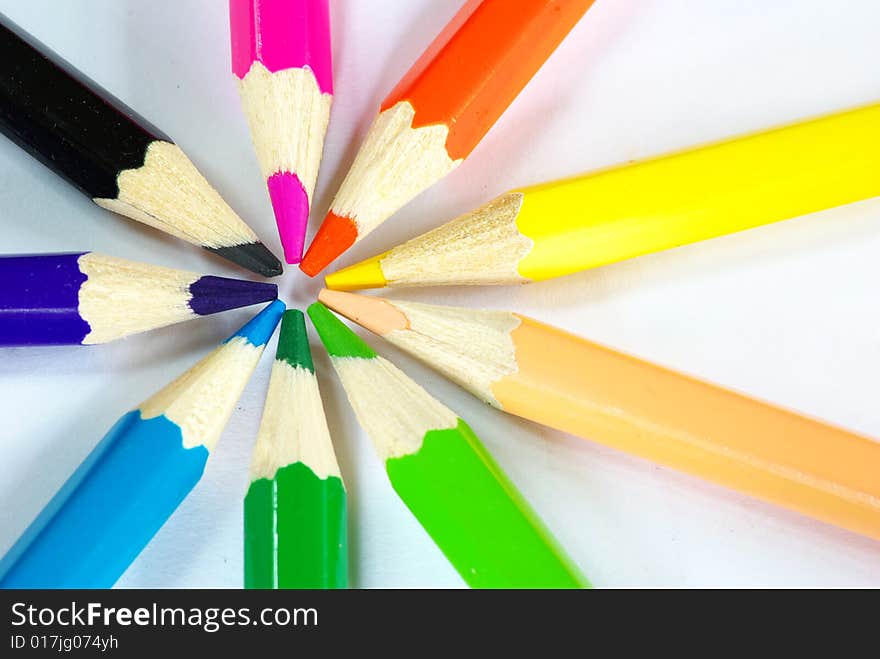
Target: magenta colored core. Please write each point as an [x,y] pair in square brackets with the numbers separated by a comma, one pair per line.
[291,205]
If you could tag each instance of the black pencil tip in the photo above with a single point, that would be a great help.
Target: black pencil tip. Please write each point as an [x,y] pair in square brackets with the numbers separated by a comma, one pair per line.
[254,256]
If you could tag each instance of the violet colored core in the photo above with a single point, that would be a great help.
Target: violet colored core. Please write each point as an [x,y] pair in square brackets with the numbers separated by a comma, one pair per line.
[291,205]
[39,300]
[212,294]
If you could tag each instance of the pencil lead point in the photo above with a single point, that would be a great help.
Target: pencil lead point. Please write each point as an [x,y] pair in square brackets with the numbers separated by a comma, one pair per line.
[255,257]
[339,340]
[214,294]
[373,313]
[259,329]
[291,205]
[337,234]
[293,341]
[366,274]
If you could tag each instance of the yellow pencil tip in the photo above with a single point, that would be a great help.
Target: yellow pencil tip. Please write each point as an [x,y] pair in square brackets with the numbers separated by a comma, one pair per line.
[366,274]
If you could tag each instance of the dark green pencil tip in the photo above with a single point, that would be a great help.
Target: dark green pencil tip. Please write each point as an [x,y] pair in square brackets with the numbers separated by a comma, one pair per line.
[338,339]
[293,341]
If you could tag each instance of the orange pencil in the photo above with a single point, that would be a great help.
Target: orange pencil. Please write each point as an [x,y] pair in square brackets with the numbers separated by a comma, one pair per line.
[560,380]
[440,111]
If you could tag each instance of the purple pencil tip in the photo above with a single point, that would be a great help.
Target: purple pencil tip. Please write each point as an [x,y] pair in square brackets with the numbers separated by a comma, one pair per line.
[214,294]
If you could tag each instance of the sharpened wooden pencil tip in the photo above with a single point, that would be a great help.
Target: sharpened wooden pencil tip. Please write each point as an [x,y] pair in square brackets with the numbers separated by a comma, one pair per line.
[213,294]
[366,274]
[293,341]
[338,340]
[336,235]
[255,257]
[374,313]
[260,328]
[290,202]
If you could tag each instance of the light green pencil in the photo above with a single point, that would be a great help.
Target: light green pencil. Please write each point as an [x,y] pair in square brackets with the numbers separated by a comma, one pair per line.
[443,474]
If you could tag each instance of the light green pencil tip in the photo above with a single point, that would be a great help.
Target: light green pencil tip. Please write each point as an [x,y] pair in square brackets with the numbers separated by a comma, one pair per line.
[338,339]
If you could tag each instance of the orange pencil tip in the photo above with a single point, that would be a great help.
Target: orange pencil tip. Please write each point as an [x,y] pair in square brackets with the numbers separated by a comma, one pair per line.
[336,235]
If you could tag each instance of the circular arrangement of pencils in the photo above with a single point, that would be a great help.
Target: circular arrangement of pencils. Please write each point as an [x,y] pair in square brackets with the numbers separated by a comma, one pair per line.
[296,505]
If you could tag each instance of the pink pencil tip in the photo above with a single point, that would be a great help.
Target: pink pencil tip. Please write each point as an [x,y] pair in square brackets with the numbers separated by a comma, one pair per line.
[291,205]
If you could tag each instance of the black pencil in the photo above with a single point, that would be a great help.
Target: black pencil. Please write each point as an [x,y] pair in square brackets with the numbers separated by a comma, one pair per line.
[116,157]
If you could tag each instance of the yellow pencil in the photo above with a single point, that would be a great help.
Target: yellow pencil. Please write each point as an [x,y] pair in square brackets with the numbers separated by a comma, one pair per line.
[560,380]
[571,225]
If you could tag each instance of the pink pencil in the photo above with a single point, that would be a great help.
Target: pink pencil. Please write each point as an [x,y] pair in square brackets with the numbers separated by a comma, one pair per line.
[281,59]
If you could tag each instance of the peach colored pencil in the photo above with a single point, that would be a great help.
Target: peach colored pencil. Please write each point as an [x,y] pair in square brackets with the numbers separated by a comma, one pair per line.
[552,377]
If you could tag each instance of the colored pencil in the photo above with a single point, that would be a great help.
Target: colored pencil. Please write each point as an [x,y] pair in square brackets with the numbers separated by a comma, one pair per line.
[440,111]
[295,517]
[560,380]
[87,298]
[282,63]
[113,155]
[558,228]
[134,479]
[443,473]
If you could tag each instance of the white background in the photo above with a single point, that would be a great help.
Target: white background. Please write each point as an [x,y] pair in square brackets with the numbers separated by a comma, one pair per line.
[788,313]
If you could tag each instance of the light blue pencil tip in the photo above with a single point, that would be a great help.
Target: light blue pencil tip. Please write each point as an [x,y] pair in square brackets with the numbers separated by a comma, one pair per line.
[260,328]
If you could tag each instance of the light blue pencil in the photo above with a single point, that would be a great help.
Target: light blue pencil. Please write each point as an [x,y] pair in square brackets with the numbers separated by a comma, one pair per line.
[134,479]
